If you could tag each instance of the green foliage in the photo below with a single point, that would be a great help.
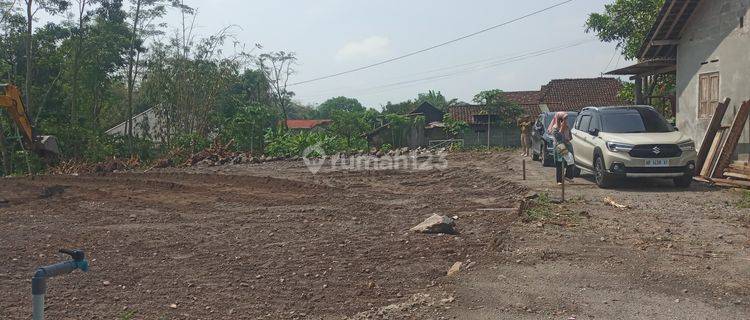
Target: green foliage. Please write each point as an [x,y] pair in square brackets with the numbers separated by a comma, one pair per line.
[539,209]
[190,142]
[284,143]
[494,102]
[399,108]
[349,125]
[454,127]
[247,127]
[625,22]
[327,109]
[436,99]
[127,315]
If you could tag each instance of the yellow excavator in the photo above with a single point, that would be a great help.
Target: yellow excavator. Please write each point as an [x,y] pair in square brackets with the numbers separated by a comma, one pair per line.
[44,146]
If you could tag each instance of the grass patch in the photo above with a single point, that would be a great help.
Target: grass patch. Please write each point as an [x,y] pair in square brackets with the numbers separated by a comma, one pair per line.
[539,209]
[127,315]
[543,209]
[744,202]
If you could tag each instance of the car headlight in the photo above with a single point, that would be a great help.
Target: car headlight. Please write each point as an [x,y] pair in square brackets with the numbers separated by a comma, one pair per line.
[687,145]
[619,147]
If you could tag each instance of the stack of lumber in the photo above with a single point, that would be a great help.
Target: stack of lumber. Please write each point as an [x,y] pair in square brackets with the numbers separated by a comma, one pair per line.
[715,157]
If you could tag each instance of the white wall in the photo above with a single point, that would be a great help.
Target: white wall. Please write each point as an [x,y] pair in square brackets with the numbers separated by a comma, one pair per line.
[714,33]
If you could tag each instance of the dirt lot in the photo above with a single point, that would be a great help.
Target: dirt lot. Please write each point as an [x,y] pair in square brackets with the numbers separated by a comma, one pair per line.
[274,241]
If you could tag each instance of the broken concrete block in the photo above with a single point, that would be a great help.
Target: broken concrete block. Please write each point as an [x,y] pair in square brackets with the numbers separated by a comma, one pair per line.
[436,224]
[455,269]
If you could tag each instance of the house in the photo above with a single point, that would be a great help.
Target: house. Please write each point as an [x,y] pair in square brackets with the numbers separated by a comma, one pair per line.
[477,119]
[704,44]
[576,94]
[145,125]
[430,113]
[308,125]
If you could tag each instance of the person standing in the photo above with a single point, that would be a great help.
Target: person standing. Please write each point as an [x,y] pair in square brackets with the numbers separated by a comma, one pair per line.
[560,131]
[524,124]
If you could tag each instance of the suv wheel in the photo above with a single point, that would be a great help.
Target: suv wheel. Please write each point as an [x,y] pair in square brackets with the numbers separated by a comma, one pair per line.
[603,179]
[683,182]
[546,161]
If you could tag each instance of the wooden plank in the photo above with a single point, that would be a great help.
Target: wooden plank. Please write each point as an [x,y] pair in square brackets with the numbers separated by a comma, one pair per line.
[736,183]
[713,128]
[733,138]
[708,164]
[736,175]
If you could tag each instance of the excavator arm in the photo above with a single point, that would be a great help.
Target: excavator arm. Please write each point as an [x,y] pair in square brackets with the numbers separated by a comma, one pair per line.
[10,100]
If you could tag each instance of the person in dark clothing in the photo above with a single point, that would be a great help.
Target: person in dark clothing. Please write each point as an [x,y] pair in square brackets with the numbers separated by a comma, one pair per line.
[560,131]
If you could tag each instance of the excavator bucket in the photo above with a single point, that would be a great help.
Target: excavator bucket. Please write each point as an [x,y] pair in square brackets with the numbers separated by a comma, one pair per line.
[48,146]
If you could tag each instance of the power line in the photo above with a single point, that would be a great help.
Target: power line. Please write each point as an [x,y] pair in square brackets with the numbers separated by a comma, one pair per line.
[433,47]
[445,68]
[495,63]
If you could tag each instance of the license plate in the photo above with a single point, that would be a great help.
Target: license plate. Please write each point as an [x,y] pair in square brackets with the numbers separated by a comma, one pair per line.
[657,162]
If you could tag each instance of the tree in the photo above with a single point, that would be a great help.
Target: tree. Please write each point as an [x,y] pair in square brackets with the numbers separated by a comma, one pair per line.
[436,99]
[278,67]
[79,32]
[349,125]
[494,103]
[143,14]
[327,108]
[625,22]
[53,7]
[403,107]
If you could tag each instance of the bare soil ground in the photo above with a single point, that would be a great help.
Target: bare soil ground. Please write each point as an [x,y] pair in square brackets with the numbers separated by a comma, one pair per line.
[272,241]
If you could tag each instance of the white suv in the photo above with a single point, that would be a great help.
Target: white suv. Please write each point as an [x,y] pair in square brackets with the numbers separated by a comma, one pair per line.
[632,141]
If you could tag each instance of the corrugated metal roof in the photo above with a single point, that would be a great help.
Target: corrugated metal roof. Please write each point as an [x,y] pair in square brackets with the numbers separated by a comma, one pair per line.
[661,40]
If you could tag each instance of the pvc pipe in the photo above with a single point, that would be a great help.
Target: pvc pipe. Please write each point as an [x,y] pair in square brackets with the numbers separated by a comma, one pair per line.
[39,283]
[38,307]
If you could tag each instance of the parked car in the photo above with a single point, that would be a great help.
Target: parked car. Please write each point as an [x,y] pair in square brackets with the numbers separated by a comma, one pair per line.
[632,142]
[541,141]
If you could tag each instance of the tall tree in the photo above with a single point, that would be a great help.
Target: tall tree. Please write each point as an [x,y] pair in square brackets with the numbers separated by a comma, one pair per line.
[436,99]
[494,103]
[327,108]
[625,22]
[278,67]
[78,34]
[142,16]
[32,7]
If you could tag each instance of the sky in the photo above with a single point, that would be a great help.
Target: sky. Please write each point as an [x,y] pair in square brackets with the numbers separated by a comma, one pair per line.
[331,36]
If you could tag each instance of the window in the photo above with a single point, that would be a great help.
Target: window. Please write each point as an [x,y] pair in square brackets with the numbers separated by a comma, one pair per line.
[583,125]
[635,121]
[708,91]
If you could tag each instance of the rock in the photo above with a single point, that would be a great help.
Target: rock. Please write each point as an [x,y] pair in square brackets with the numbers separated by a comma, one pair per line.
[436,224]
[531,195]
[205,163]
[106,283]
[133,217]
[173,306]
[454,269]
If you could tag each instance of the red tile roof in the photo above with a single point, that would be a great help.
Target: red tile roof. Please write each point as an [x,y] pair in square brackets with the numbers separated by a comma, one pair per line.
[307,124]
[524,97]
[575,94]
[465,113]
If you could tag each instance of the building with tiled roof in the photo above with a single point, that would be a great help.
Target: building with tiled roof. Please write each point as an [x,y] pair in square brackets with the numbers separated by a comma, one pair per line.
[308,124]
[575,94]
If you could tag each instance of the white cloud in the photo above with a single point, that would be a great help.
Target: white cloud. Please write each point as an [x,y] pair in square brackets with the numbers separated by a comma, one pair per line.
[372,47]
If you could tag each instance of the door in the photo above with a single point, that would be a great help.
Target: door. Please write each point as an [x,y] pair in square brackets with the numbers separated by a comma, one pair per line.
[583,149]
